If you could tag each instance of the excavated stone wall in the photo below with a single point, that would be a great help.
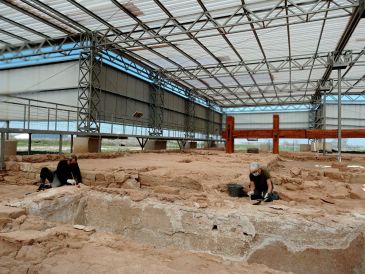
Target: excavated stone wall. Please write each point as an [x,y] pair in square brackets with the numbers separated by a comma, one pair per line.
[278,237]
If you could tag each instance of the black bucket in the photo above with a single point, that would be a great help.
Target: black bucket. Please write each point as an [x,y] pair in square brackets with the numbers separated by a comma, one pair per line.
[235,190]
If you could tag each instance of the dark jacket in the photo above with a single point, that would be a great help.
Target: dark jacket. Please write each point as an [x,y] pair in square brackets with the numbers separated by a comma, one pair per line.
[67,171]
[260,181]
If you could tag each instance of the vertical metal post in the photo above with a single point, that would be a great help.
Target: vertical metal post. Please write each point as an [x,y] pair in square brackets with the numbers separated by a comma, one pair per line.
[339,116]
[2,151]
[112,125]
[60,145]
[72,143]
[324,119]
[7,127]
[189,116]
[48,118]
[68,120]
[55,126]
[29,143]
[28,113]
[99,143]
[24,116]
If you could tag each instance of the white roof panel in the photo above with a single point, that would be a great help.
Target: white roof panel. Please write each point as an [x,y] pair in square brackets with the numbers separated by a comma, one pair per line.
[220,42]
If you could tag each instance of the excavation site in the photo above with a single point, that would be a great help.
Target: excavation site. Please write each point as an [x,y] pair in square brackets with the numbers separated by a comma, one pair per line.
[182,136]
[171,212]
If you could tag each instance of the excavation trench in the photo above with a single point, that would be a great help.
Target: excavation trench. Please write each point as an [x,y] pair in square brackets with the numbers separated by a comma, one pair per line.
[279,239]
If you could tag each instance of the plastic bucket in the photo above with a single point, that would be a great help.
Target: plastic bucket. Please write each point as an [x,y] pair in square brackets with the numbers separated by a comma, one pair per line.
[235,190]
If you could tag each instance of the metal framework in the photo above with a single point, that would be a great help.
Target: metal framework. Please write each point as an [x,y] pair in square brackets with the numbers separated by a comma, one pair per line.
[156,107]
[230,53]
[89,87]
[189,117]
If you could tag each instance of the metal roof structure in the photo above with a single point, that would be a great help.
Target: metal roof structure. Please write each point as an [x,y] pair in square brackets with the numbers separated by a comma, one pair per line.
[232,53]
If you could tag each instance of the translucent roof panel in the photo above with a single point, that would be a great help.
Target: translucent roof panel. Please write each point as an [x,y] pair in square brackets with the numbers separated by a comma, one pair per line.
[274,42]
[234,52]
[246,45]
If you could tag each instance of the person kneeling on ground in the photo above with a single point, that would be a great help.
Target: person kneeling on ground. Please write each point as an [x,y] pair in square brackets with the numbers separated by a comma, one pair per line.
[68,171]
[46,178]
[261,186]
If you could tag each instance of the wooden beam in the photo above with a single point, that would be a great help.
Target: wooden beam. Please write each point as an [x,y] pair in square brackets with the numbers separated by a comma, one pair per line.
[230,133]
[296,133]
[275,135]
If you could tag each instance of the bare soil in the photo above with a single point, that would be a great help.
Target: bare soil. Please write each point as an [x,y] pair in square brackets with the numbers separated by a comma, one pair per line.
[194,178]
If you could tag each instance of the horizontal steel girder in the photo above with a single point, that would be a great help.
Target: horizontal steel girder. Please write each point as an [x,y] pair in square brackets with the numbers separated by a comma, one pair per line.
[298,63]
[236,22]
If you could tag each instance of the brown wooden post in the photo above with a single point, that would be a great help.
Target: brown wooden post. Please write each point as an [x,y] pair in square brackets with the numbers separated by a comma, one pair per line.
[275,133]
[229,134]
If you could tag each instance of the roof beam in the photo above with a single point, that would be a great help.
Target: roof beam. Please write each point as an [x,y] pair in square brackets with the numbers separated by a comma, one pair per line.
[233,23]
[52,12]
[23,27]
[298,63]
[355,18]
[12,5]
[296,85]
[152,32]
[207,14]
[118,34]
[13,35]
[258,42]
[318,44]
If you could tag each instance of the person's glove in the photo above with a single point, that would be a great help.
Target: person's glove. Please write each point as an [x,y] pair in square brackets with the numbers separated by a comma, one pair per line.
[267,197]
[71,181]
[250,193]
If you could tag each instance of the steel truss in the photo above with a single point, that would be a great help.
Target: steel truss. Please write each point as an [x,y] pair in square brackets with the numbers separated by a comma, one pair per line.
[209,122]
[189,117]
[237,22]
[126,40]
[89,86]
[295,63]
[157,103]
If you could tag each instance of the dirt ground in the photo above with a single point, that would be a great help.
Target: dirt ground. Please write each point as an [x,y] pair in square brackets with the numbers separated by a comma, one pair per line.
[194,178]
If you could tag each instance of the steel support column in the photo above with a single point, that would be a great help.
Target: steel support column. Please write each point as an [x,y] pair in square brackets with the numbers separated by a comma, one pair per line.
[89,86]
[71,143]
[189,117]
[142,142]
[60,145]
[324,86]
[7,122]
[339,117]
[339,61]
[2,151]
[324,106]
[209,115]
[29,143]
[157,102]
